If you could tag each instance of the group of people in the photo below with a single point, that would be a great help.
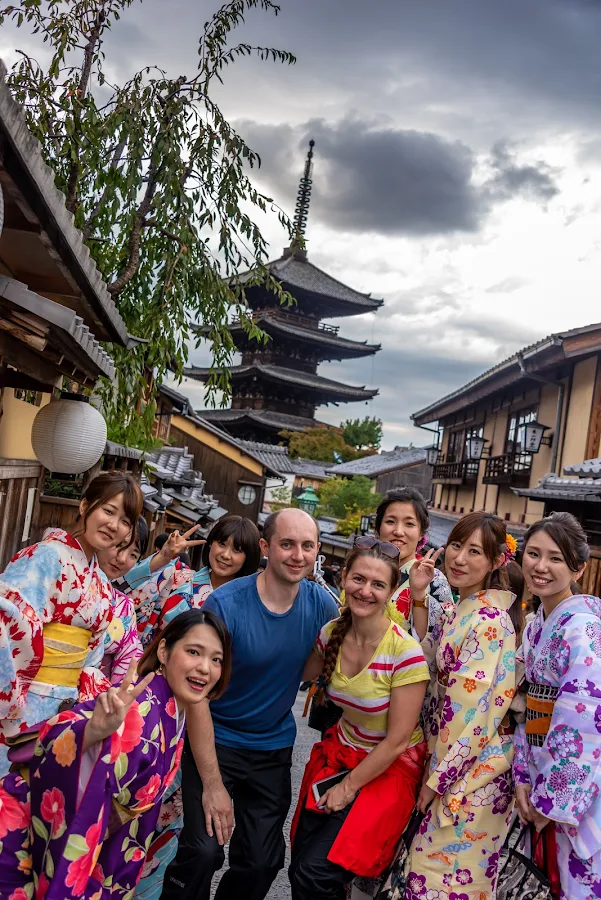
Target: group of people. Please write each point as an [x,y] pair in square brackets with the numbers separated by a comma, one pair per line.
[143,704]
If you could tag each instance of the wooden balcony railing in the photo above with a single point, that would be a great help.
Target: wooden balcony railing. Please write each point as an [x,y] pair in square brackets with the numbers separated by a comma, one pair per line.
[295,319]
[512,469]
[456,472]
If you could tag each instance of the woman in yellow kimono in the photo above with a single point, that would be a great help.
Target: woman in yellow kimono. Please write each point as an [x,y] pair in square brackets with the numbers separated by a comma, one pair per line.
[467,793]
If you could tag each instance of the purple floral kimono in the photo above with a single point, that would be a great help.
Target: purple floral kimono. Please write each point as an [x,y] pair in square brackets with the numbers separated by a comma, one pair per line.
[92,814]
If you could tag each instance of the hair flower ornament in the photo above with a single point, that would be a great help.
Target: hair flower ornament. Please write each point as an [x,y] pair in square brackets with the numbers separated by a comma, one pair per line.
[511,548]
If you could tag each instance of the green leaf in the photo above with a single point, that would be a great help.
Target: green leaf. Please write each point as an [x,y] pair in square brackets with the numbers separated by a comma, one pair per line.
[121,765]
[49,865]
[76,847]
[133,828]
[39,828]
[154,733]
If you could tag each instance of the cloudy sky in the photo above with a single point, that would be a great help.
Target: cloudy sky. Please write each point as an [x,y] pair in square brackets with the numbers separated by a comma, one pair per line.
[457,169]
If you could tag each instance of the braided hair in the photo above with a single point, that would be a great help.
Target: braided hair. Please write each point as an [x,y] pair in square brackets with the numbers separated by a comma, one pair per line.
[344,622]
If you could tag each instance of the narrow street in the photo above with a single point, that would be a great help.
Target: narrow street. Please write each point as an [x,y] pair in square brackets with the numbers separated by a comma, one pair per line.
[305,740]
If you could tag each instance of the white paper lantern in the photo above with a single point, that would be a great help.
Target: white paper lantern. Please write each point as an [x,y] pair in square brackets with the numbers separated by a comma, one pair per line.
[68,435]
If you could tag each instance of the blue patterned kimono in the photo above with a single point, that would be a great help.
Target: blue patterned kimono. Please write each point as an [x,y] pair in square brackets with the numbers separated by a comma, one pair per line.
[563,651]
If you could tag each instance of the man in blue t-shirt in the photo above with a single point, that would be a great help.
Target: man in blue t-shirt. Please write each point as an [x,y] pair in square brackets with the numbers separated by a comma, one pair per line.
[273,618]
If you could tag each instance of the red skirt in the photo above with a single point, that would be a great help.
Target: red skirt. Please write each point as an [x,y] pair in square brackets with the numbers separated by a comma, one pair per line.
[366,843]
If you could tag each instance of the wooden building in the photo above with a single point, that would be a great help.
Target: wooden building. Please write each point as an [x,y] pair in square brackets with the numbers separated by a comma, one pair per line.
[276,386]
[556,383]
[236,477]
[54,311]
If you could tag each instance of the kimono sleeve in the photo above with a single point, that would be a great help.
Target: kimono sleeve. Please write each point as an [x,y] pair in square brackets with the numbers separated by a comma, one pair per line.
[29,587]
[521,771]
[122,643]
[478,695]
[140,573]
[568,765]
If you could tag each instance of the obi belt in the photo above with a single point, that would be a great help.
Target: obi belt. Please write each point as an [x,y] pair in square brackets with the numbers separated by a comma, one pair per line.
[540,703]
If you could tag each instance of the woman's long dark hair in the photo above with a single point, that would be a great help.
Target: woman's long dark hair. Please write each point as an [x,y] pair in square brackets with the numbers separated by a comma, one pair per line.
[245,535]
[176,631]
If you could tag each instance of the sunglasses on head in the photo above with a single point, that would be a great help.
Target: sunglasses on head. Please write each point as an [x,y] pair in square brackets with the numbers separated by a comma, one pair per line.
[368,542]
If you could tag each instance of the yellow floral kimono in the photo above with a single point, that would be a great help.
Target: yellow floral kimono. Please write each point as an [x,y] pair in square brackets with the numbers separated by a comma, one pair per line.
[456,852]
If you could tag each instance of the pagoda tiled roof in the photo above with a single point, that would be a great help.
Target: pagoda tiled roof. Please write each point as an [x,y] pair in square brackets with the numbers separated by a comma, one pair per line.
[296,272]
[301,379]
[266,417]
[332,344]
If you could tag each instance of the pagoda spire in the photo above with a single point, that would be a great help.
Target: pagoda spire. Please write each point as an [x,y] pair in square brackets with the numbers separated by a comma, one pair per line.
[301,211]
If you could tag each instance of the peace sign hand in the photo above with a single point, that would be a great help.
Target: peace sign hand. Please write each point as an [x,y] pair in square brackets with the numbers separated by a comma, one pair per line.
[112,707]
[422,572]
[177,543]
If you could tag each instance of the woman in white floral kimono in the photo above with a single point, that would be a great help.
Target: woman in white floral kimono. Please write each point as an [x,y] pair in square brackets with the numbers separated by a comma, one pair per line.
[557,764]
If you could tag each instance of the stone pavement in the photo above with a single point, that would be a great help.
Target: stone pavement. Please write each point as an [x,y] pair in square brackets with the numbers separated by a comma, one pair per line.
[305,740]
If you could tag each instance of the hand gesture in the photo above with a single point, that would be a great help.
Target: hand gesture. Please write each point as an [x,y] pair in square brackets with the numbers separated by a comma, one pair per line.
[426,796]
[177,543]
[112,706]
[526,811]
[422,573]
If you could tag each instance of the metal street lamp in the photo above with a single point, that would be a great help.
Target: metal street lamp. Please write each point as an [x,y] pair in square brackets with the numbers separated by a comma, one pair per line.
[534,436]
[308,500]
[475,447]
[365,523]
[432,455]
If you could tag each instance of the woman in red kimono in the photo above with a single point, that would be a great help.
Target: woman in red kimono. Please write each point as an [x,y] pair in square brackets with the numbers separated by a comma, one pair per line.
[82,828]
[55,607]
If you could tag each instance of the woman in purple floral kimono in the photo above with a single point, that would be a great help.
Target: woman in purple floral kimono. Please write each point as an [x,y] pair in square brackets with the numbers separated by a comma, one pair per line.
[100,771]
[557,763]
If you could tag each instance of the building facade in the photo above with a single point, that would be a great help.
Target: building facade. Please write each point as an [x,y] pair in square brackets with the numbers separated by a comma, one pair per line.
[403,467]
[556,383]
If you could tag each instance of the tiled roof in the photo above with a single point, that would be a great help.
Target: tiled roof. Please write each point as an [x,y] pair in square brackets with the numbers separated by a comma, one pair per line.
[555,487]
[428,414]
[277,458]
[290,376]
[584,469]
[298,272]
[339,344]
[380,463]
[52,208]
[266,417]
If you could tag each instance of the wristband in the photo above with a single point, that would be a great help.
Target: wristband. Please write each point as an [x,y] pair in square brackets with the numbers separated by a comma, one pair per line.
[421,604]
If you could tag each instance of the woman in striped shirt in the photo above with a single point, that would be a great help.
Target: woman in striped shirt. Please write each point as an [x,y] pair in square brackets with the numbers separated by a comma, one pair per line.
[377,674]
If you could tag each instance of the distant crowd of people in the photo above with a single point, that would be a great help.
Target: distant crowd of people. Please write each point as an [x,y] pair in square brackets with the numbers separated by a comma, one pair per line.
[146,706]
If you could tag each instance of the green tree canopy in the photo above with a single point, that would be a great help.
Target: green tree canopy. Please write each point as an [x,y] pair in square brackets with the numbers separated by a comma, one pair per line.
[341,497]
[323,443]
[158,181]
[363,434]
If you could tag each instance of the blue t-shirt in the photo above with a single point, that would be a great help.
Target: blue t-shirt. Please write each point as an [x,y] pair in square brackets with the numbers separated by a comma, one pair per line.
[269,652]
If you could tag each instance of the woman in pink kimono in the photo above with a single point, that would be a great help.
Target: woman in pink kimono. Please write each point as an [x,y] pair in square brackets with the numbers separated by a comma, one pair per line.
[55,607]
[557,764]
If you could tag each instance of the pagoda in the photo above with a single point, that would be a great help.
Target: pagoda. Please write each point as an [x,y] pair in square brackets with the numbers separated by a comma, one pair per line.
[276,386]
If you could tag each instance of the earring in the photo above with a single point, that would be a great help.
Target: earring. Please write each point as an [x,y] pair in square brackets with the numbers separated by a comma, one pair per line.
[160,669]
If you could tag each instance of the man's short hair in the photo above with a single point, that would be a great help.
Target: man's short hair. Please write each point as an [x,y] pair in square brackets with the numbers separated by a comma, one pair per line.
[270,524]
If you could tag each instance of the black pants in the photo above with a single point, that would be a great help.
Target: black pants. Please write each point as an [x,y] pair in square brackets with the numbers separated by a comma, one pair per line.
[312,876]
[259,784]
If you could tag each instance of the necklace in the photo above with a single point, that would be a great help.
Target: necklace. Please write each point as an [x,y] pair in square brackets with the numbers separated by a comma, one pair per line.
[365,643]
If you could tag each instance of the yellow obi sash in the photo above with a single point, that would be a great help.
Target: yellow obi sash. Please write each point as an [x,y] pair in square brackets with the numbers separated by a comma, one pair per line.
[65,651]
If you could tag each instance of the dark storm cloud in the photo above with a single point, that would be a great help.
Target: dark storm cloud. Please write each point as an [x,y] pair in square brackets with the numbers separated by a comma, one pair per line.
[371,177]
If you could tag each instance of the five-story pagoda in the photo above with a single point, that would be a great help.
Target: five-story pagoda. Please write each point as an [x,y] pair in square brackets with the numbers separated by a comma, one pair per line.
[276,386]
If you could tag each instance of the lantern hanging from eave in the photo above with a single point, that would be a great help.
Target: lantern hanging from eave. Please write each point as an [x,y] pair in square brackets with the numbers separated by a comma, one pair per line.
[68,435]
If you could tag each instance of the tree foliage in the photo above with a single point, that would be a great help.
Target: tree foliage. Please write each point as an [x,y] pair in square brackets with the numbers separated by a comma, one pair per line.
[281,498]
[341,497]
[158,181]
[323,443]
[363,434]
